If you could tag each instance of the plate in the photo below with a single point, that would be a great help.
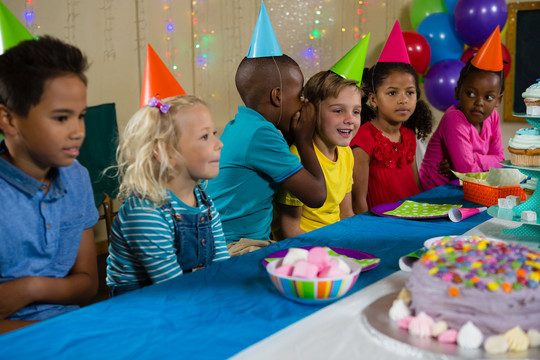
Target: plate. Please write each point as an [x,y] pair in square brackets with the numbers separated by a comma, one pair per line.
[375,318]
[509,214]
[509,164]
[382,208]
[354,254]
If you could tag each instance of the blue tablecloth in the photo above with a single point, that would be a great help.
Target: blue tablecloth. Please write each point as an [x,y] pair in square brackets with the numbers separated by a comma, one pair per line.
[216,312]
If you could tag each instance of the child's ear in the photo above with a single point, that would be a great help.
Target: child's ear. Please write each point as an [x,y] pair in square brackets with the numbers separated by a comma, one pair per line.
[372,100]
[6,120]
[456,93]
[275,96]
[498,99]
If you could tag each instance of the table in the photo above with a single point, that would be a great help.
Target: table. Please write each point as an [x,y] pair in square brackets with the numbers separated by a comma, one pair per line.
[345,335]
[219,311]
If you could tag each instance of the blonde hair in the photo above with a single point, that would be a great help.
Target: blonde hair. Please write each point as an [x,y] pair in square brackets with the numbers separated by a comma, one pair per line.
[148,142]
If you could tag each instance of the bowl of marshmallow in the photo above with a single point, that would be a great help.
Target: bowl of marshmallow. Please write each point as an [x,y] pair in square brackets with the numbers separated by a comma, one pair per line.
[313,276]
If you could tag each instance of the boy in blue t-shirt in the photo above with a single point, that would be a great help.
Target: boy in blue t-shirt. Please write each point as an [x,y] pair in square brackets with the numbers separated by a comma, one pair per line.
[47,249]
[255,157]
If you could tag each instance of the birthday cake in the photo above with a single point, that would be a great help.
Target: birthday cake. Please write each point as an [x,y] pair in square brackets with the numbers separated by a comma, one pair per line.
[524,147]
[473,291]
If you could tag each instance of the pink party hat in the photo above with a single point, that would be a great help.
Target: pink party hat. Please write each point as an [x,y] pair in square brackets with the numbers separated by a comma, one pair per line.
[263,42]
[395,50]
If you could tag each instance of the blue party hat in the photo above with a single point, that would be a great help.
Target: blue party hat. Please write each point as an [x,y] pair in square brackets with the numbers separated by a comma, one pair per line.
[263,42]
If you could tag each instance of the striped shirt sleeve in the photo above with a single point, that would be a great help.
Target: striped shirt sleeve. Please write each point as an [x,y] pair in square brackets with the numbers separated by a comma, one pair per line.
[149,241]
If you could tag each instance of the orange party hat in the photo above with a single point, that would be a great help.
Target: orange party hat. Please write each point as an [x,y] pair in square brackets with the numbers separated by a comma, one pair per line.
[158,81]
[489,57]
[395,50]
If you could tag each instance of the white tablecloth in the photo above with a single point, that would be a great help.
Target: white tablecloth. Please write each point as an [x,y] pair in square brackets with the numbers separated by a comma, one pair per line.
[338,332]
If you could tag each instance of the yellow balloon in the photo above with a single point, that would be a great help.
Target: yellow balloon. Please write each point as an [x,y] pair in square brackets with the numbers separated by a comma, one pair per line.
[503,31]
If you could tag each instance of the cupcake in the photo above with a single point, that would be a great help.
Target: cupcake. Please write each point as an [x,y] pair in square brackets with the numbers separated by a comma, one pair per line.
[529,186]
[524,147]
[532,99]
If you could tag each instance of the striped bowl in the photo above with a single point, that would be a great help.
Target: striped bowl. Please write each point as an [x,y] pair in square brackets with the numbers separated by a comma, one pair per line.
[313,291]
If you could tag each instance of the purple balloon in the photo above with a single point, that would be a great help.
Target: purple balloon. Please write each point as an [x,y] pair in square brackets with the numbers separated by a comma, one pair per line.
[476,20]
[440,81]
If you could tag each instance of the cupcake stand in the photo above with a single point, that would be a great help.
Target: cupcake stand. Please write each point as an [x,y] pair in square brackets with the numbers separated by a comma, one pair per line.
[528,228]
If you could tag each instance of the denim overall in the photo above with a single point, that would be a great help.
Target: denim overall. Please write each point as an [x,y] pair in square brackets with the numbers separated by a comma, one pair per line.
[195,240]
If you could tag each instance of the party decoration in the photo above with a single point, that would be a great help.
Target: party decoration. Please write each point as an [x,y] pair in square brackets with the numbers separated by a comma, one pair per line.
[351,66]
[475,20]
[422,8]
[444,41]
[450,5]
[418,50]
[489,57]
[507,58]
[458,214]
[394,50]
[440,81]
[158,81]
[12,31]
[263,42]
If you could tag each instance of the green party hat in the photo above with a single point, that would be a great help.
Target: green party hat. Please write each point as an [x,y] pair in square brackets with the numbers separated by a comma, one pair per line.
[351,66]
[12,31]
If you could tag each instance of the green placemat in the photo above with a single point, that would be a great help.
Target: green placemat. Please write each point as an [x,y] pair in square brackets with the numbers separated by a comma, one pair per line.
[420,210]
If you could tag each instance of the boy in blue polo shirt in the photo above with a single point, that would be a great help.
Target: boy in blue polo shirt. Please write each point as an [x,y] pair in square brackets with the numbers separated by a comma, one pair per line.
[47,249]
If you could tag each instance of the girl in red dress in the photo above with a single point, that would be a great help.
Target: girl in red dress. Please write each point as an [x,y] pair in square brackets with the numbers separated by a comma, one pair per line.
[384,148]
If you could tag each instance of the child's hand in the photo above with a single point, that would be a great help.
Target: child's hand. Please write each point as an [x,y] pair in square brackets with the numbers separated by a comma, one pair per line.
[303,123]
[445,168]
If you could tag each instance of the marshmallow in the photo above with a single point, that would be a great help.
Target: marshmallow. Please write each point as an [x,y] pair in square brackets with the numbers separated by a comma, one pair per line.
[294,255]
[528,215]
[514,200]
[332,271]
[318,256]
[284,270]
[505,203]
[305,270]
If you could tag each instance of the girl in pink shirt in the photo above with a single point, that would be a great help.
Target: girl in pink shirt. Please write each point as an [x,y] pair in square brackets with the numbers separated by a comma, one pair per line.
[469,135]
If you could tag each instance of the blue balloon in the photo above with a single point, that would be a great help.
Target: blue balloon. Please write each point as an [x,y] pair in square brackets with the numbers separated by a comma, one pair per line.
[450,5]
[476,20]
[440,82]
[443,39]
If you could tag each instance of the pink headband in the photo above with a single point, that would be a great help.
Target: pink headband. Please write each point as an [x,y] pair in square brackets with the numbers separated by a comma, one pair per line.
[154,102]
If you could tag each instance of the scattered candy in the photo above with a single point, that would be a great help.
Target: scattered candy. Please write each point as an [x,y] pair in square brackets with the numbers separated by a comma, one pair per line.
[421,325]
[404,323]
[405,295]
[399,310]
[517,339]
[438,328]
[496,344]
[534,338]
[469,336]
[448,337]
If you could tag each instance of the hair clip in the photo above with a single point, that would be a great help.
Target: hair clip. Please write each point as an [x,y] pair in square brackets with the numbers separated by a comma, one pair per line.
[154,102]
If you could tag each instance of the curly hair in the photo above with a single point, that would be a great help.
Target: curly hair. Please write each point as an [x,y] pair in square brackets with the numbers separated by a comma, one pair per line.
[149,140]
[421,121]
